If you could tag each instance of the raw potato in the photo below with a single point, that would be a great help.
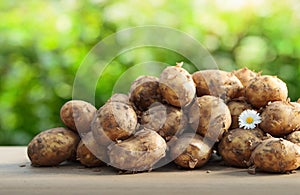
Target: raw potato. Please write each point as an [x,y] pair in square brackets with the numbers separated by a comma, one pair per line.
[294,137]
[224,85]
[166,120]
[276,155]
[237,145]
[191,151]
[52,147]
[119,97]
[210,116]
[177,86]
[138,153]
[245,76]
[280,118]
[144,91]
[77,115]
[114,121]
[89,153]
[265,89]
[236,107]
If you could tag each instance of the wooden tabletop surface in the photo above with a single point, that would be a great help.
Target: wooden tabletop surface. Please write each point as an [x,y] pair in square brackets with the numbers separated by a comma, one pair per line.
[18,177]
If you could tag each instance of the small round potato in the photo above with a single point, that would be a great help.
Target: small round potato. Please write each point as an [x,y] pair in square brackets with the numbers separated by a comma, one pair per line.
[237,145]
[245,76]
[145,91]
[276,155]
[236,107]
[177,86]
[77,115]
[89,153]
[210,116]
[52,147]
[294,137]
[166,120]
[265,89]
[280,118]
[191,151]
[114,121]
[119,97]
[218,83]
[138,153]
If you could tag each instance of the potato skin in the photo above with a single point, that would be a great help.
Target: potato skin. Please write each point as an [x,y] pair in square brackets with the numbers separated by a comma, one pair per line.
[236,107]
[237,145]
[166,120]
[89,153]
[52,147]
[145,91]
[138,153]
[191,151]
[112,122]
[119,97]
[265,89]
[280,118]
[210,117]
[294,137]
[245,76]
[217,83]
[77,115]
[177,86]
[276,155]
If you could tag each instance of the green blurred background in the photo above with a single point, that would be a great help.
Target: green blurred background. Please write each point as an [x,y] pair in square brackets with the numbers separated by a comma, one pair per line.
[42,44]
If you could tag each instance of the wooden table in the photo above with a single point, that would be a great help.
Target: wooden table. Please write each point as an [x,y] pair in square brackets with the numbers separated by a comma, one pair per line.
[18,177]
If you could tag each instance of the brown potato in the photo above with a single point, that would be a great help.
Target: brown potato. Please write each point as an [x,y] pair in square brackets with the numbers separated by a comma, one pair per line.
[77,115]
[138,153]
[236,107]
[276,155]
[265,89]
[245,76]
[218,83]
[191,151]
[166,120]
[52,147]
[119,97]
[114,121]
[145,91]
[294,137]
[177,86]
[89,153]
[210,116]
[237,145]
[280,118]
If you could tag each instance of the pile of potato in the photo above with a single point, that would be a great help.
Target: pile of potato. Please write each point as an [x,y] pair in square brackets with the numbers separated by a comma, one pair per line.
[181,118]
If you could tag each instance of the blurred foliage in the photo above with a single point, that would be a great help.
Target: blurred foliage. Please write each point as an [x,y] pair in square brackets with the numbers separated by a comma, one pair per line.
[44,42]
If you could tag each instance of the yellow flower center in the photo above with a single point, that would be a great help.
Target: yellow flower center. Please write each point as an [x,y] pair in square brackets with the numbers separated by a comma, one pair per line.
[249,120]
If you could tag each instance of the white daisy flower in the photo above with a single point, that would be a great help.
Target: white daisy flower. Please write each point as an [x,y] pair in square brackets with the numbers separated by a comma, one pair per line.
[248,119]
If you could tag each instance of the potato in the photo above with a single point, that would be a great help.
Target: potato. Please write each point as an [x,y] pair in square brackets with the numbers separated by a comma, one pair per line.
[245,76]
[237,145]
[191,151]
[294,137]
[236,107]
[265,89]
[77,115]
[52,147]
[166,120]
[224,85]
[276,155]
[280,118]
[210,117]
[91,154]
[145,91]
[114,121]
[119,97]
[177,86]
[138,153]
